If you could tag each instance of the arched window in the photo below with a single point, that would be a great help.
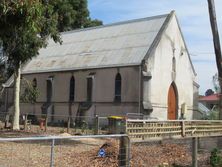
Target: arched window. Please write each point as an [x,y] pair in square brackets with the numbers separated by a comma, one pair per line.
[174,64]
[34,83]
[49,89]
[72,89]
[89,88]
[118,87]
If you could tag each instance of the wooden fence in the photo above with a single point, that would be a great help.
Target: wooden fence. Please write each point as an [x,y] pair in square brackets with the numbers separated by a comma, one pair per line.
[147,130]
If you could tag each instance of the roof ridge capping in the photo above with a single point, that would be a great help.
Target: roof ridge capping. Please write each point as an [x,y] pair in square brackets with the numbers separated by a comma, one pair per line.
[120,23]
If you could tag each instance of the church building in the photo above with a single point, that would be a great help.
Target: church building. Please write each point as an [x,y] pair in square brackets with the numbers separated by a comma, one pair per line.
[139,66]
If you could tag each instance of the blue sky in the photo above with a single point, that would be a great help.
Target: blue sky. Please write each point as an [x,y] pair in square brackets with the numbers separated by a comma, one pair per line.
[193,18]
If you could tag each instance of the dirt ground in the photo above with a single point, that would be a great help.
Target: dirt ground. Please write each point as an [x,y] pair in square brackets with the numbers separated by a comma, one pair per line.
[84,153]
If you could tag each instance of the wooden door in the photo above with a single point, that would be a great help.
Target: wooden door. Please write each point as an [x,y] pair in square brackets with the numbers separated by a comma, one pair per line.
[172,104]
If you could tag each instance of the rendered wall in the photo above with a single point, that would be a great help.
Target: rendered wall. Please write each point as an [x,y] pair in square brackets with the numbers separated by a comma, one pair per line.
[160,65]
[103,91]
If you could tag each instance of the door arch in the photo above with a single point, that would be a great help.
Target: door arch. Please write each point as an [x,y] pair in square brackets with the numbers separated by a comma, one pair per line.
[172,110]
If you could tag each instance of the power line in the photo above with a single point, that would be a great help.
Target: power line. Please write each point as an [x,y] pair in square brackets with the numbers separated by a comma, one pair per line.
[201,53]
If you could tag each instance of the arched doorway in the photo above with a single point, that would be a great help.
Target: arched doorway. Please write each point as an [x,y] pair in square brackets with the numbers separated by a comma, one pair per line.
[172,103]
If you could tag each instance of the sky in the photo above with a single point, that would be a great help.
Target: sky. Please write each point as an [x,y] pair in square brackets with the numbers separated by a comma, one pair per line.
[193,18]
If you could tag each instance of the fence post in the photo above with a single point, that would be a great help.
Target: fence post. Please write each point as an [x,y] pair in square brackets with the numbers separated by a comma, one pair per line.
[68,124]
[183,128]
[25,122]
[124,151]
[46,122]
[7,118]
[96,123]
[52,153]
[194,151]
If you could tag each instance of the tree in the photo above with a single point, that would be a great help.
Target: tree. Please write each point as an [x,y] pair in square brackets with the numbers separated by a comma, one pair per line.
[216,85]
[25,26]
[4,73]
[217,48]
[2,68]
[73,14]
[209,92]
[93,23]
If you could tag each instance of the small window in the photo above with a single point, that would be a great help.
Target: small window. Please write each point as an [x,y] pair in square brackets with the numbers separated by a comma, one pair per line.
[118,87]
[34,83]
[72,89]
[89,88]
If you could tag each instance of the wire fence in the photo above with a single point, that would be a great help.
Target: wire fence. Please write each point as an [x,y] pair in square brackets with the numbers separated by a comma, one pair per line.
[178,153]
[109,151]
[65,151]
[56,124]
[84,151]
[157,147]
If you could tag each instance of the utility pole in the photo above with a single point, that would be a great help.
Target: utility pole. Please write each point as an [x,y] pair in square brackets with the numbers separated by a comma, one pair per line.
[217,49]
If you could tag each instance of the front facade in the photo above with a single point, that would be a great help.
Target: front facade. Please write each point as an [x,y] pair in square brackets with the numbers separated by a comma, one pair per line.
[173,86]
[140,66]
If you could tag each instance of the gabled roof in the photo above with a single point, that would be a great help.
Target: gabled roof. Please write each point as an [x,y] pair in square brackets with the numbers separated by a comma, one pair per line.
[119,44]
[213,97]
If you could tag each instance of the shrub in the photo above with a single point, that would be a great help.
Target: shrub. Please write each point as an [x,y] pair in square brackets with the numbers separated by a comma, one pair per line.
[215,158]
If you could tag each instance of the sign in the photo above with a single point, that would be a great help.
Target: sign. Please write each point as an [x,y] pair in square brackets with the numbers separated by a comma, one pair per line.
[101,153]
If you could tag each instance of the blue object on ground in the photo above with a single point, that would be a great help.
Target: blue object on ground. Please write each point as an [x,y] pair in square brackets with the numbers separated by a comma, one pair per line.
[101,153]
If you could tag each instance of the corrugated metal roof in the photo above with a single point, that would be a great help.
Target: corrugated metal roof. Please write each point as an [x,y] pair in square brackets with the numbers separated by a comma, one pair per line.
[213,97]
[9,82]
[202,108]
[120,44]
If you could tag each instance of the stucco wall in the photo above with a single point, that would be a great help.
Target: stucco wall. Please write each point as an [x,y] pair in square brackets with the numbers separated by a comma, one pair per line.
[160,65]
[103,91]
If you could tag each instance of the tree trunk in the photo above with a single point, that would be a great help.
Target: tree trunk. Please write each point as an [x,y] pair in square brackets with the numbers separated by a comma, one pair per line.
[217,49]
[17,76]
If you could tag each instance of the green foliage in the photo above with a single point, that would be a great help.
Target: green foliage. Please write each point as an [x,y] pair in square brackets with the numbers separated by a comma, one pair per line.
[25,27]
[93,23]
[73,14]
[215,158]
[5,70]
[66,14]
[216,84]
[214,115]
[30,92]
[2,71]
[209,92]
